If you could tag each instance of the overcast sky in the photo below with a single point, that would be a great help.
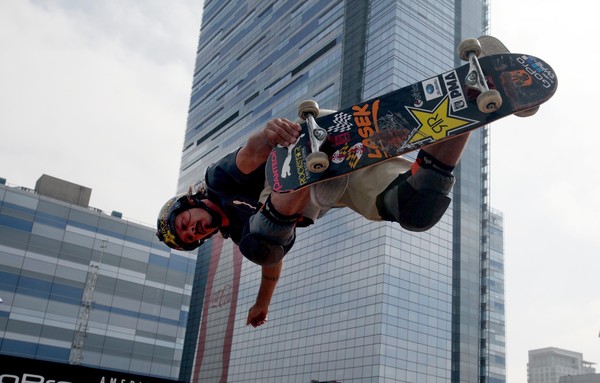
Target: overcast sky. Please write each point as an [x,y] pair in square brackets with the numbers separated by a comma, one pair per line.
[97,92]
[546,180]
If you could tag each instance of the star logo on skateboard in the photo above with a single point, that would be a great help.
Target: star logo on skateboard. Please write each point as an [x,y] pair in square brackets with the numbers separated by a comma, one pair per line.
[437,123]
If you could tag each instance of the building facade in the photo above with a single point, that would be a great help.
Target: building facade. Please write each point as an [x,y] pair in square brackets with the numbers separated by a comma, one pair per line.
[84,287]
[551,364]
[493,326]
[358,301]
[582,378]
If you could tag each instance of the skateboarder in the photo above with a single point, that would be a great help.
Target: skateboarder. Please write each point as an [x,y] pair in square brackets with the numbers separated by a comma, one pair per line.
[235,201]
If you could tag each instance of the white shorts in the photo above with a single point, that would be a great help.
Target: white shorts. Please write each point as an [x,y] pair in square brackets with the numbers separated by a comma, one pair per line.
[363,188]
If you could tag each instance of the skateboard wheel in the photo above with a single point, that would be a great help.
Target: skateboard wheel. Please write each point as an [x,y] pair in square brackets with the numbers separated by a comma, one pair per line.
[469,45]
[317,162]
[489,101]
[308,107]
[528,112]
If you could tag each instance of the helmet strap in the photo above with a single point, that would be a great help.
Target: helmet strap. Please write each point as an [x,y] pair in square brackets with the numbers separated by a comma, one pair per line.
[216,217]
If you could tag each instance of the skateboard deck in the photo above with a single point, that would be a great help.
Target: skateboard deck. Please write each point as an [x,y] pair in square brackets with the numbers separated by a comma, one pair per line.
[412,117]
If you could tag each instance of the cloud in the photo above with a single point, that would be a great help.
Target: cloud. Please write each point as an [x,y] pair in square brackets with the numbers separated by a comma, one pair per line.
[97,93]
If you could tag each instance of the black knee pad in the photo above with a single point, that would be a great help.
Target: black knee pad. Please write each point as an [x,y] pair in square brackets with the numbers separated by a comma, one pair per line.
[422,210]
[414,210]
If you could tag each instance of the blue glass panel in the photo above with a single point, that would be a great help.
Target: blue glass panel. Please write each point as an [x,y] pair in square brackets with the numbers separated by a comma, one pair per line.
[16,223]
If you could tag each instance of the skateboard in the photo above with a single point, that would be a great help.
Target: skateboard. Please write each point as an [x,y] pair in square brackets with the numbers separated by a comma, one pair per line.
[492,85]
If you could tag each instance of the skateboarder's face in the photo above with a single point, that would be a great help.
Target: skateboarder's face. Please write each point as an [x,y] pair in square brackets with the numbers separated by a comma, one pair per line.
[194,224]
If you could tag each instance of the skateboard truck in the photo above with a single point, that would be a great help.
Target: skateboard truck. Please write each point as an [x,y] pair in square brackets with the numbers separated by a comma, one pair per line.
[492,46]
[489,100]
[316,161]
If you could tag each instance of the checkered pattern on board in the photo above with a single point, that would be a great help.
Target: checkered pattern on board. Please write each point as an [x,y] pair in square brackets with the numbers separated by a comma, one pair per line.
[341,123]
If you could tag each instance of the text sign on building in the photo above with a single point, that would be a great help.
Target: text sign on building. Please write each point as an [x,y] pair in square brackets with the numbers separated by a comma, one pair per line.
[24,370]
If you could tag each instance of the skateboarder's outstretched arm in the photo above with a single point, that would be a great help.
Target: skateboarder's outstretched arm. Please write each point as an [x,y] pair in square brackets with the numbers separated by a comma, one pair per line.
[269,230]
[258,314]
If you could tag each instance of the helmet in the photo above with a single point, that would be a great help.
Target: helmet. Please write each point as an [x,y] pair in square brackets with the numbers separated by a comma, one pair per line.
[165,225]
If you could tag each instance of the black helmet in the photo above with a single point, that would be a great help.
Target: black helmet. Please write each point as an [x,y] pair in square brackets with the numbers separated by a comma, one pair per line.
[165,225]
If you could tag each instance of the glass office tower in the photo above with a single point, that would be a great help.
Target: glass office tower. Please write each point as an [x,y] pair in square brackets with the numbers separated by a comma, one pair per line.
[84,287]
[357,301]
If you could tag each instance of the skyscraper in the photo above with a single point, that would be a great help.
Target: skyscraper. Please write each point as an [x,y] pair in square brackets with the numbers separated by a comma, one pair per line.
[358,300]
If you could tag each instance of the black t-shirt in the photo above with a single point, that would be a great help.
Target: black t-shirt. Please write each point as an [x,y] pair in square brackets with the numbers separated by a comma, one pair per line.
[234,192]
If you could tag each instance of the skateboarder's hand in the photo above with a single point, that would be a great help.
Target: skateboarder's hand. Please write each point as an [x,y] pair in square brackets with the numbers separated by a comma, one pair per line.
[281,131]
[257,316]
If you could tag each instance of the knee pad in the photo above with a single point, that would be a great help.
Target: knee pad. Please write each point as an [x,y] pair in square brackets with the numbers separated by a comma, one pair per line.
[268,236]
[417,202]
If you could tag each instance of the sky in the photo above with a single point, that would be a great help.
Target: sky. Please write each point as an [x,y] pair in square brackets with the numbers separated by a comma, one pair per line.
[97,92]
